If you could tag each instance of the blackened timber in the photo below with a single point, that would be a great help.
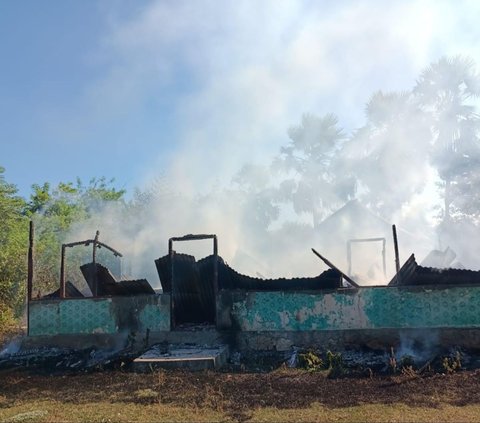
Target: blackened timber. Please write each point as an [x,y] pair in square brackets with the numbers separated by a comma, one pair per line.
[332,266]
[395,246]
[30,262]
[62,272]
[30,272]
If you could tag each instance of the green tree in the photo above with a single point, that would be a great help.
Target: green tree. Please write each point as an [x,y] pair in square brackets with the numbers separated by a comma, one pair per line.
[256,195]
[389,154]
[309,162]
[54,210]
[13,251]
[444,91]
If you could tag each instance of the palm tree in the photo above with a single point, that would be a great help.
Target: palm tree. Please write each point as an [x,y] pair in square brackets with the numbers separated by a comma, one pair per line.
[385,154]
[313,184]
[444,90]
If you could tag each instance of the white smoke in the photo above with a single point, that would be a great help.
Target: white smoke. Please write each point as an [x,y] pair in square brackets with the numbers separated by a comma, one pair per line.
[236,75]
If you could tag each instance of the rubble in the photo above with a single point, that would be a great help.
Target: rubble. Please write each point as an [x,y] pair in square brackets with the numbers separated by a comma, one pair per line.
[50,360]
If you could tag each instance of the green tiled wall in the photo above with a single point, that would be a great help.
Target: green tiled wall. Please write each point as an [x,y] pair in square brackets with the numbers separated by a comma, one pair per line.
[100,315]
[366,308]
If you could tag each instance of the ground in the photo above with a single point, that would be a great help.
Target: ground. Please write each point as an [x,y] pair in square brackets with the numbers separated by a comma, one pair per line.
[283,394]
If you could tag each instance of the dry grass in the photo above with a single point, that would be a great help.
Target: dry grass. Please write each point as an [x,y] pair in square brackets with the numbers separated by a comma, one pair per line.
[286,395]
[105,411]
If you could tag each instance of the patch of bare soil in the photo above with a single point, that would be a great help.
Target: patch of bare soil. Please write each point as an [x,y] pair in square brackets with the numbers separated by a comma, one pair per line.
[239,393]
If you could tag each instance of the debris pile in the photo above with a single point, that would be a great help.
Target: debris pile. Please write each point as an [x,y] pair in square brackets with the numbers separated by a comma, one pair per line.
[65,360]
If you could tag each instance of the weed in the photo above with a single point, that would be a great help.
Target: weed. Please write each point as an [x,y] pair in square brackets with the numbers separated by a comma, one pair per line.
[310,361]
[409,371]
[335,364]
[146,395]
[452,364]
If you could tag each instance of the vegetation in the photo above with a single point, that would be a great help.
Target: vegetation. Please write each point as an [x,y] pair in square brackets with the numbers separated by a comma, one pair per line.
[13,239]
[53,210]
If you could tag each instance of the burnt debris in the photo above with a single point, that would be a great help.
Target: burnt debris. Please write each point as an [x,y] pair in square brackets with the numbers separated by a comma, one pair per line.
[193,287]
[411,274]
[70,291]
[100,280]
[107,284]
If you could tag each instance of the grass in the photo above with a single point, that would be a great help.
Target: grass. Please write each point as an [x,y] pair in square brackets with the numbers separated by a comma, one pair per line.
[106,411]
[281,395]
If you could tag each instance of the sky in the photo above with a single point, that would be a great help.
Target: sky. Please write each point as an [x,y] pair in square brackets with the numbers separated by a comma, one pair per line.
[192,90]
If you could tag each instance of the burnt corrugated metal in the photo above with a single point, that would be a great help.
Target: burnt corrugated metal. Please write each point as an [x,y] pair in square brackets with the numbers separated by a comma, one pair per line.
[231,279]
[70,292]
[107,285]
[193,288]
[228,278]
[411,274]
[192,298]
[405,274]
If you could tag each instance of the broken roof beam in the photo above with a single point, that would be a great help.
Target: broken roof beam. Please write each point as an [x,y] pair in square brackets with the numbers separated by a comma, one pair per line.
[90,241]
[332,266]
[192,237]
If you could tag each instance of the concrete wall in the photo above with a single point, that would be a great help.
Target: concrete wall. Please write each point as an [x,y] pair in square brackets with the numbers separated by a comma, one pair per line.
[365,308]
[100,315]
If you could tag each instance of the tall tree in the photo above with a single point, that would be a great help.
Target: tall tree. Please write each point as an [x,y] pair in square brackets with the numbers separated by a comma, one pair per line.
[54,210]
[14,244]
[445,90]
[312,184]
[257,196]
[389,154]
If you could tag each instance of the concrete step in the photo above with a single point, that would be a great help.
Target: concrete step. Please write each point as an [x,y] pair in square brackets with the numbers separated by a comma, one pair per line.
[186,356]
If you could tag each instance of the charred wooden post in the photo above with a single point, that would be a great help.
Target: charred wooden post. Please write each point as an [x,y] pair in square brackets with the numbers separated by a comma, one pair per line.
[171,254]
[62,272]
[332,266]
[30,263]
[215,265]
[30,273]
[94,261]
[395,246]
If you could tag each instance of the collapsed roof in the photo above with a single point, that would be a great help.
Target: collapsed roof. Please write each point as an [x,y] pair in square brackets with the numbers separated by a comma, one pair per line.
[411,274]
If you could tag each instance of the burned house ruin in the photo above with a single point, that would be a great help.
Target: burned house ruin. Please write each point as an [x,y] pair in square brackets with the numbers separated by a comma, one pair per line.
[208,302]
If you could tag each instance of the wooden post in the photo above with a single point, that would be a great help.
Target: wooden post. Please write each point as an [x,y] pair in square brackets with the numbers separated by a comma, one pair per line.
[332,266]
[30,273]
[395,246]
[215,268]
[94,261]
[30,263]
[171,254]
[62,273]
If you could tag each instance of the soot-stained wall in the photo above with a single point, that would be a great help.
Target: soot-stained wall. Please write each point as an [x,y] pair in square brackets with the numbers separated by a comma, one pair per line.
[100,315]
